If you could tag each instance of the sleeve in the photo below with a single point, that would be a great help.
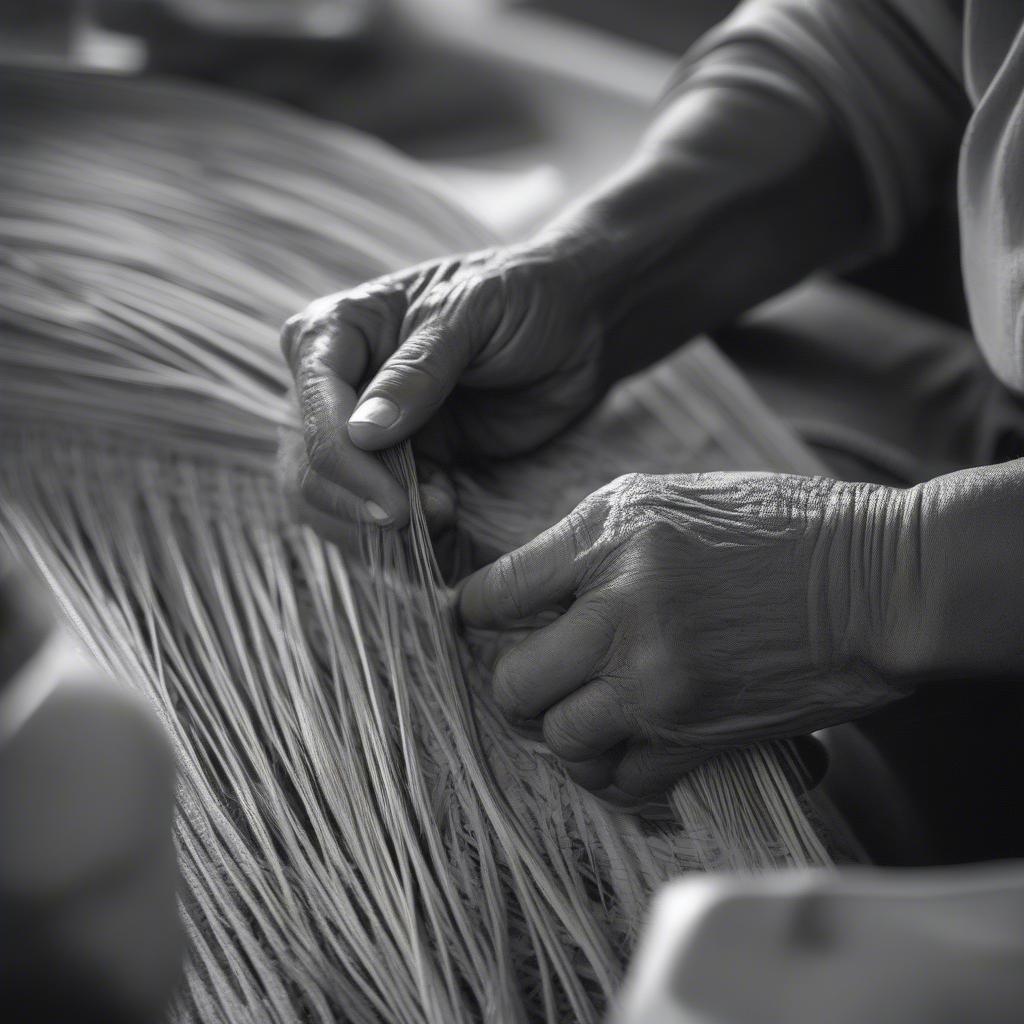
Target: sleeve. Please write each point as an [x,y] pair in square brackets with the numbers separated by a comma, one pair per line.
[992,198]
[889,72]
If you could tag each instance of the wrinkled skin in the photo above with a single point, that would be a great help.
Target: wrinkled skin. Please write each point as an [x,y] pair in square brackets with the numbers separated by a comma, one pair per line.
[702,612]
[484,355]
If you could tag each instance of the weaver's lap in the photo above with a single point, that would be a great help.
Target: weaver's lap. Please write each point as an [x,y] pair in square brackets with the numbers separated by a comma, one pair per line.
[882,392]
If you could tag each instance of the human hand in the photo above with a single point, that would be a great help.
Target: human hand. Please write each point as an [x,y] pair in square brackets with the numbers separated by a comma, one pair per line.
[703,612]
[489,354]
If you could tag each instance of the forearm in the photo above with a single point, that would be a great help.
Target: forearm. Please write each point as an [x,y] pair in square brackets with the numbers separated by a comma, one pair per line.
[734,194]
[927,584]
[801,134]
[972,574]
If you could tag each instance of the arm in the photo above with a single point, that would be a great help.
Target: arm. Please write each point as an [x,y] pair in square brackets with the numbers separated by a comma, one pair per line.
[757,172]
[799,135]
[966,580]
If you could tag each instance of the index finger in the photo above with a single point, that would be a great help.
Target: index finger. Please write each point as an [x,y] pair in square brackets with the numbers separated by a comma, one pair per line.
[327,369]
[333,324]
[539,575]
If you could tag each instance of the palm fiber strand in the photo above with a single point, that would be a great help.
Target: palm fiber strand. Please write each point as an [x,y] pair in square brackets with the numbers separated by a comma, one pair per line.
[360,836]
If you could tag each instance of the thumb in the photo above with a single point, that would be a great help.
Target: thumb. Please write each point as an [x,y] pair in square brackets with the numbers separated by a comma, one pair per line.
[411,386]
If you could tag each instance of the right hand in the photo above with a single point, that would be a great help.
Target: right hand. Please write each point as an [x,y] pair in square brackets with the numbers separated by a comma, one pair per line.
[485,355]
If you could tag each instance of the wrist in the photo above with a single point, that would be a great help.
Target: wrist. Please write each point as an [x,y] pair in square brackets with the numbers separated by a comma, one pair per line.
[684,237]
[971,570]
[717,142]
[866,584]
[607,238]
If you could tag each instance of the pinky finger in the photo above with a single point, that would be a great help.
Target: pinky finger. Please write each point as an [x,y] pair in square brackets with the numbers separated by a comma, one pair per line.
[645,771]
[324,506]
[595,774]
[330,499]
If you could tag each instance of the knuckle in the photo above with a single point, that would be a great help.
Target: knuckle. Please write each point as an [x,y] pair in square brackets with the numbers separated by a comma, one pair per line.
[322,453]
[418,347]
[293,325]
[583,531]
[589,521]
[600,613]
[295,338]
[564,735]
[414,364]
[442,294]
[507,688]
[319,320]
[291,331]
[484,296]
[625,482]
[377,308]
[505,579]
[579,527]
[321,314]
[309,385]
[307,483]
[630,489]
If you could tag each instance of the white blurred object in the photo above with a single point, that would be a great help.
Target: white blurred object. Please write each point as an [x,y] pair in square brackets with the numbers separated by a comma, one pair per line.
[293,18]
[95,46]
[116,35]
[58,658]
[849,947]
[648,995]
[101,41]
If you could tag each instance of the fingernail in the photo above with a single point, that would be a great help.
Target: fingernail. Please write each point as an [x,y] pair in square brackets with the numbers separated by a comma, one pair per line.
[376,512]
[381,412]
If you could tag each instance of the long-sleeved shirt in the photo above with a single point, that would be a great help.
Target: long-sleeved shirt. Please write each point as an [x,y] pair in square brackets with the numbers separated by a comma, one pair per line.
[912,82]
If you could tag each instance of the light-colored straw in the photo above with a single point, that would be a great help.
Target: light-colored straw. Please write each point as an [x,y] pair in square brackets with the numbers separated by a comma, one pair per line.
[360,835]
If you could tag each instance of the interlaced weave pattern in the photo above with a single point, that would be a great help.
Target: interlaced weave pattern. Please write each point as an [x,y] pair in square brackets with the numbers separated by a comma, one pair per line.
[360,835]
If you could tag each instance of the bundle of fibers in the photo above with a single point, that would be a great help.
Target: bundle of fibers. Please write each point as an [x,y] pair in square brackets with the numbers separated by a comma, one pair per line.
[360,836]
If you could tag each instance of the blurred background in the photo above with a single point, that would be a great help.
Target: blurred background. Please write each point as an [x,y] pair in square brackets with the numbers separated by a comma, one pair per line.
[518,103]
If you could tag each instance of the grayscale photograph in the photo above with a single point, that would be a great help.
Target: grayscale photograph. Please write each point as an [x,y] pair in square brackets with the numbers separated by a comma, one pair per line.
[511,511]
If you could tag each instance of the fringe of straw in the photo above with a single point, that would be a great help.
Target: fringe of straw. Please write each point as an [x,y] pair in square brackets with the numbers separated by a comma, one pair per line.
[360,837]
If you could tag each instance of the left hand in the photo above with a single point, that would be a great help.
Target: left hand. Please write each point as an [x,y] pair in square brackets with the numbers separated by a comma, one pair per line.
[703,612]
[489,354]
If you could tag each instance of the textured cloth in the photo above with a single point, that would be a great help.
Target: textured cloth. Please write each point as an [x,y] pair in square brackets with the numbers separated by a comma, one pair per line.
[881,392]
[911,81]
